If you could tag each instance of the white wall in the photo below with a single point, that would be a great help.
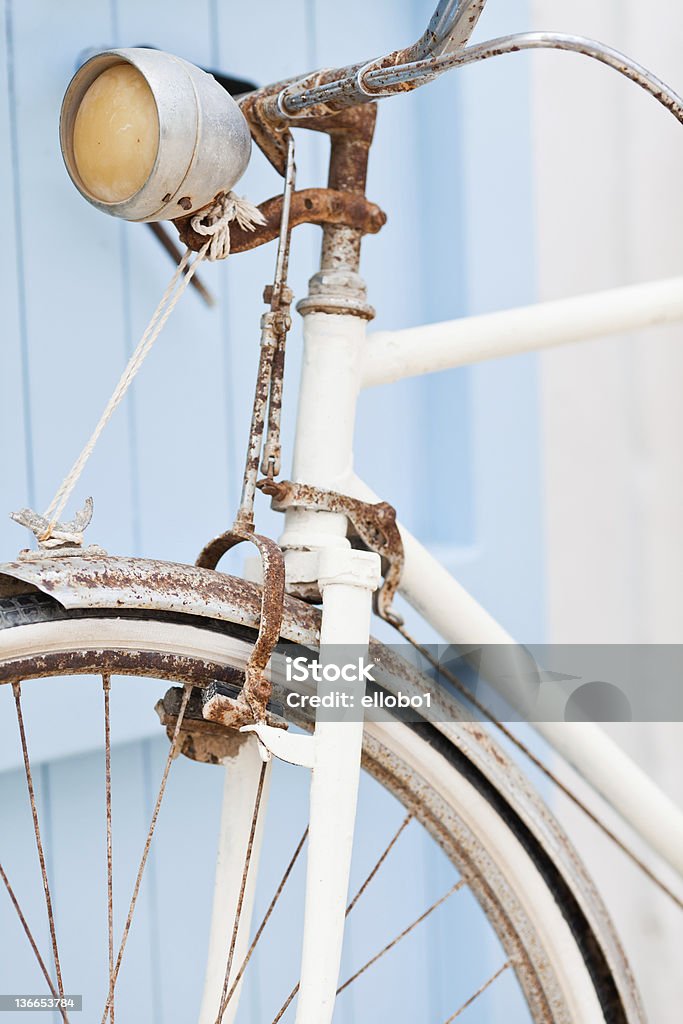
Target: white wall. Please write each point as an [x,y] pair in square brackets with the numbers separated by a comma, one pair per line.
[609,211]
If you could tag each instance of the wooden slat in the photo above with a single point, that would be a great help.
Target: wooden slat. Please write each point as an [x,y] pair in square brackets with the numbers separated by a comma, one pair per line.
[15,449]
[72,279]
[503,423]
[19,970]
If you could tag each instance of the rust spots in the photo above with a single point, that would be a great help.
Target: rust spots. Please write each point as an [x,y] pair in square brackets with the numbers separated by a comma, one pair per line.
[118,662]
[257,688]
[374,525]
[310,206]
[149,584]
[199,739]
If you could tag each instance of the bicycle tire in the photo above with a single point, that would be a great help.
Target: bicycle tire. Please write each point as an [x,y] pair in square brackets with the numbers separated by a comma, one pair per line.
[512,854]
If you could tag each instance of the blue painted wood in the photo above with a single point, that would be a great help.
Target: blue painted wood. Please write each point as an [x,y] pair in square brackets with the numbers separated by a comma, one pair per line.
[15,425]
[18,969]
[503,425]
[71,277]
[393,900]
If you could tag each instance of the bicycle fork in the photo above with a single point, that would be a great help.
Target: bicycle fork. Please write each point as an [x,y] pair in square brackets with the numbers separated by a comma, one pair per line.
[347,579]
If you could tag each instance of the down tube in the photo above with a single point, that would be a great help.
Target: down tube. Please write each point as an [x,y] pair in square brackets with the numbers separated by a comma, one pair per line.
[462,621]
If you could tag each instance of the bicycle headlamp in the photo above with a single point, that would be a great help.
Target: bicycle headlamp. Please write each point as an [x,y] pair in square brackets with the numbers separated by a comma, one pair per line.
[148,136]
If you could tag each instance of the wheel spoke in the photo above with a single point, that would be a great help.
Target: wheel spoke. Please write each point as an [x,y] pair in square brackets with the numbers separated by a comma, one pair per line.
[479,992]
[106,687]
[382,857]
[264,922]
[155,814]
[387,850]
[16,689]
[240,898]
[32,941]
[402,935]
[285,1006]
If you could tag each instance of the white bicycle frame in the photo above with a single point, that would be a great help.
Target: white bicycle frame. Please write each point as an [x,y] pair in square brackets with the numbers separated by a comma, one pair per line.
[339,360]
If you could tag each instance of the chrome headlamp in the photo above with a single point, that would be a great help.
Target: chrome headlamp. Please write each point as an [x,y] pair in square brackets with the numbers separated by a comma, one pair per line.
[148,136]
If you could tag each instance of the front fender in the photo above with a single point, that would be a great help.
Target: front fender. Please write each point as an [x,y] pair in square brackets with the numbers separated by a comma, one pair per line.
[94,581]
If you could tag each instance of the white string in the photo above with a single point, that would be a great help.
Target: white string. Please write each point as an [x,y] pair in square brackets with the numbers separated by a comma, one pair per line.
[226,207]
[152,332]
[215,224]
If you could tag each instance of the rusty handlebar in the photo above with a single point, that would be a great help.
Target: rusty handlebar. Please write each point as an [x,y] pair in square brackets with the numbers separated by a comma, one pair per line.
[338,101]
[442,46]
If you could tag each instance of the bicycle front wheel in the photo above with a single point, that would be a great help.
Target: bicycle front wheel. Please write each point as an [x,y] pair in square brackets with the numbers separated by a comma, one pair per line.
[460,787]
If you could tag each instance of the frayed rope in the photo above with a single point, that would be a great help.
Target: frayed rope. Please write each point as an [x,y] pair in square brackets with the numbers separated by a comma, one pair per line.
[215,222]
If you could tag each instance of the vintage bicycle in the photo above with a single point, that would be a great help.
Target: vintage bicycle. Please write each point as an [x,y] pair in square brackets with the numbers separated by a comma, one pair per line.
[227,643]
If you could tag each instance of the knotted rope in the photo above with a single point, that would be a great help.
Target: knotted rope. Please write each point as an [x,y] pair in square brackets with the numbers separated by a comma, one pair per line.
[214,222]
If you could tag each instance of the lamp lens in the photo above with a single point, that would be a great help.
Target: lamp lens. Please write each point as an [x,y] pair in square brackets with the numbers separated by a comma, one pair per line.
[116,134]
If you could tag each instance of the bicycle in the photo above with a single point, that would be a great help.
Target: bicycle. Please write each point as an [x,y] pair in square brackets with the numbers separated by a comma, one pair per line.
[74,610]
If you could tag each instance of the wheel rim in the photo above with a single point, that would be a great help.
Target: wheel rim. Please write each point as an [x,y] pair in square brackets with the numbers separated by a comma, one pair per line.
[183,653]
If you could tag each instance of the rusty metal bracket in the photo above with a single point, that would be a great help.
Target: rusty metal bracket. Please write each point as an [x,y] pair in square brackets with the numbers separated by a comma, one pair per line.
[309,206]
[374,525]
[257,687]
[352,123]
[341,209]
[57,539]
[212,720]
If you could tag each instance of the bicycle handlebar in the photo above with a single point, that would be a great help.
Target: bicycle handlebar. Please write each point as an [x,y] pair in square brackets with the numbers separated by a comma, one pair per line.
[440,48]
[386,78]
[448,31]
